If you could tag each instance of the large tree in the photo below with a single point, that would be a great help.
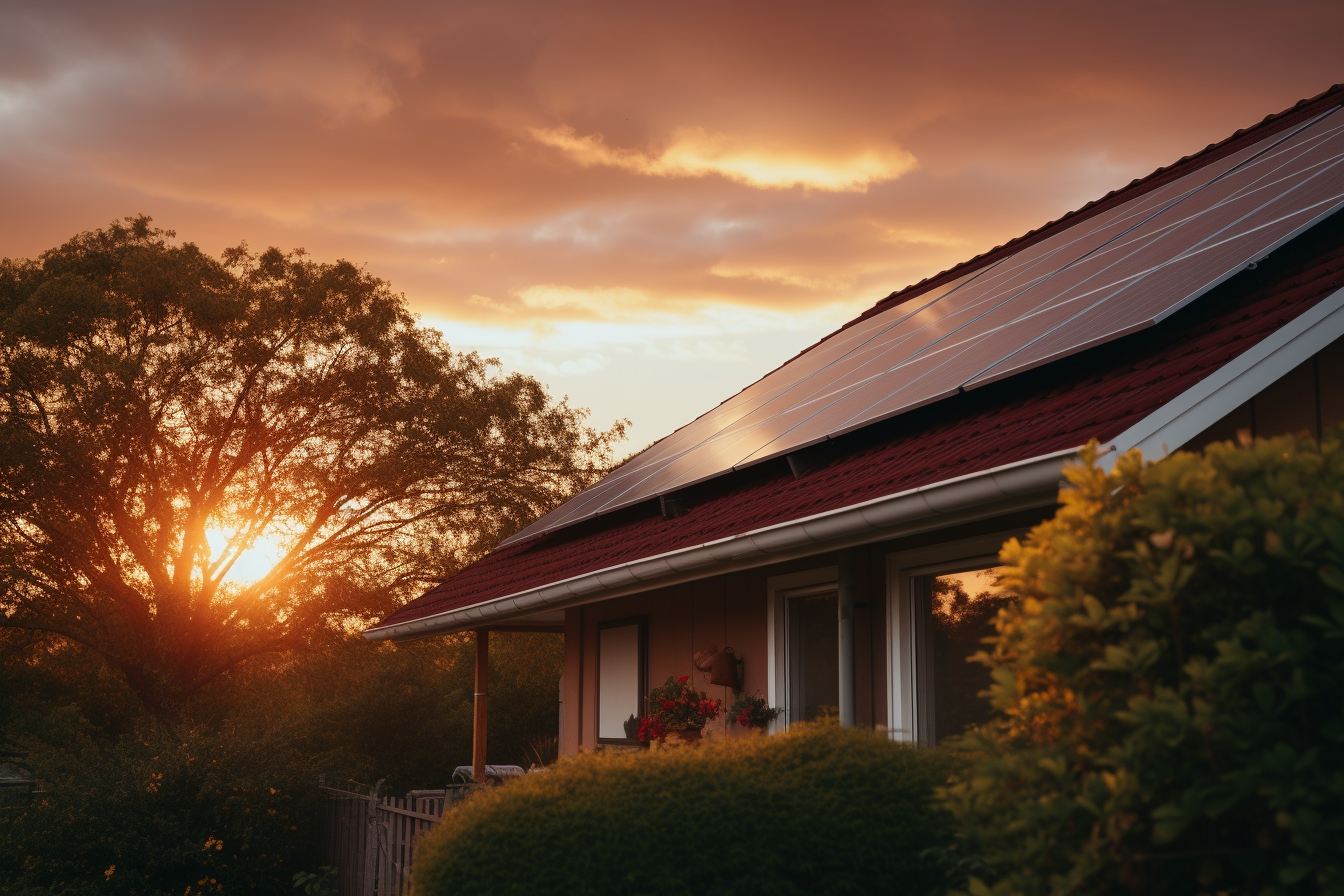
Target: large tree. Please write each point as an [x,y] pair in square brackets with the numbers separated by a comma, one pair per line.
[162,413]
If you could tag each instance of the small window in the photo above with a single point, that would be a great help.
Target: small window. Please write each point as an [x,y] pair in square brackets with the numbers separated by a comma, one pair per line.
[953,612]
[620,680]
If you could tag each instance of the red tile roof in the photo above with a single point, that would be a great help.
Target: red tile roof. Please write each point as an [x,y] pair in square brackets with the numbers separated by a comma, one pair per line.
[1096,394]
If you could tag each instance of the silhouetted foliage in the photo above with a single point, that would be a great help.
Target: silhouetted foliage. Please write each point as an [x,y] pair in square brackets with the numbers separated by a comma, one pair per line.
[238,770]
[162,412]
[151,396]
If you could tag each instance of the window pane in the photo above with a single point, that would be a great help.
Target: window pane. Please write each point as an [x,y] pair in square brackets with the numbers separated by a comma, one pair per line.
[961,608]
[814,656]
[618,680]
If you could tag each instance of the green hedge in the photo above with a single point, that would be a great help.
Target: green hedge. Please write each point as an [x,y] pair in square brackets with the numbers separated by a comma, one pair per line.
[818,810]
[1171,685]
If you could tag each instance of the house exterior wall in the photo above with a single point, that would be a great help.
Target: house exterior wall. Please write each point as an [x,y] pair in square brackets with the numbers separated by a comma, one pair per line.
[1309,398]
[732,610]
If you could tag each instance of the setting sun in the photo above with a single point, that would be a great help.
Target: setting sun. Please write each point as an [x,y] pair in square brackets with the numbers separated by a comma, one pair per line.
[253,563]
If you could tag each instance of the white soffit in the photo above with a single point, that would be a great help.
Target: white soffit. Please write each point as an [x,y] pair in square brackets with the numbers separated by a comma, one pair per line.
[1232,385]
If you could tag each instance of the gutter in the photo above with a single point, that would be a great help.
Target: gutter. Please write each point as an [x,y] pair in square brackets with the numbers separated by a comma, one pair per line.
[1029,483]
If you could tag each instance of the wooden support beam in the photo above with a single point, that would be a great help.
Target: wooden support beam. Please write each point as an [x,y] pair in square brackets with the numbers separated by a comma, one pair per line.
[482,696]
[845,608]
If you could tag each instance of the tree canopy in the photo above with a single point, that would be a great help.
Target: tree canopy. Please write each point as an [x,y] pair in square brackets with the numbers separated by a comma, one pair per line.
[163,413]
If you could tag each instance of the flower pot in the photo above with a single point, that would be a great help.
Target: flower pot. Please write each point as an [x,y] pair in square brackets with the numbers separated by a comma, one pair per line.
[683,737]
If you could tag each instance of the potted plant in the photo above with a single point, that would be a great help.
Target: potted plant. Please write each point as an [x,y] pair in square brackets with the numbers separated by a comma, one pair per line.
[677,710]
[753,713]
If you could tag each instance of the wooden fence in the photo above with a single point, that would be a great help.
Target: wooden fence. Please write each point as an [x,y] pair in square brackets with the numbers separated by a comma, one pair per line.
[370,838]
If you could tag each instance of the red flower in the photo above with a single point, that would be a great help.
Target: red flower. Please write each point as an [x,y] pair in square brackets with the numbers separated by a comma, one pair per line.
[684,678]
[649,729]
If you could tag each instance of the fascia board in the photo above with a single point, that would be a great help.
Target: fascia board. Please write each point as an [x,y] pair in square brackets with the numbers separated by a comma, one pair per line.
[1232,385]
[842,527]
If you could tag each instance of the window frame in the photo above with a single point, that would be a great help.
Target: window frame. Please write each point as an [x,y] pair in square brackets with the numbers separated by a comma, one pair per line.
[642,677]
[904,677]
[778,590]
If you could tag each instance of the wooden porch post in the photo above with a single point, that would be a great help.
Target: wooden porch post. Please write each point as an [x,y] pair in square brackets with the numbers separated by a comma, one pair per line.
[482,695]
[845,602]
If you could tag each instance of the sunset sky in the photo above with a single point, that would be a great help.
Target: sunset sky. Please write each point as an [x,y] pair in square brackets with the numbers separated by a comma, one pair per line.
[647,207]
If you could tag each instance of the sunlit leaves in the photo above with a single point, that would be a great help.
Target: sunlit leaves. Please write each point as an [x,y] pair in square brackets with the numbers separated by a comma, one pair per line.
[1169,687]
[153,398]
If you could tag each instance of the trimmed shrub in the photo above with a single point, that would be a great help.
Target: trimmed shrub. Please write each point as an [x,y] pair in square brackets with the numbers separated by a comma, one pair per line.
[1169,685]
[820,809]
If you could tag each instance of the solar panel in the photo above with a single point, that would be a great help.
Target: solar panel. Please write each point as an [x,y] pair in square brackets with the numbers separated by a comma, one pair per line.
[1241,229]
[1120,270]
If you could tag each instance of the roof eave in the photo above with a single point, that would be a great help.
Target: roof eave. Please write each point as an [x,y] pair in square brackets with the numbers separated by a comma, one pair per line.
[1029,483]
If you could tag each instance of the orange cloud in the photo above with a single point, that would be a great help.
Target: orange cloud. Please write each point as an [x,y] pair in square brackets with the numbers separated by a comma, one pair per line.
[695,153]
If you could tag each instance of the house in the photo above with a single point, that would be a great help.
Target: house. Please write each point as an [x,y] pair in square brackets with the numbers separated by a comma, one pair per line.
[832,522]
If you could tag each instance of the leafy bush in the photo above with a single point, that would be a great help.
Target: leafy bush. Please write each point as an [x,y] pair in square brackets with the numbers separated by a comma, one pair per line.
[157,811]
[821,809]
[1170,684]
[240,771]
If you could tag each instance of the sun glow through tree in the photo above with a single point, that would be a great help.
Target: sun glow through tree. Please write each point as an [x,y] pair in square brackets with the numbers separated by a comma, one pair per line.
[253,563]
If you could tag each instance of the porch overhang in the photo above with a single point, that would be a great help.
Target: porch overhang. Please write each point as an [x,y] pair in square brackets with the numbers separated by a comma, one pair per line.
[1021,485]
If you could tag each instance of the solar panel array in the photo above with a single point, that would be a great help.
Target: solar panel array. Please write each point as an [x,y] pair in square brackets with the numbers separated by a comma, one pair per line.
[1114,273]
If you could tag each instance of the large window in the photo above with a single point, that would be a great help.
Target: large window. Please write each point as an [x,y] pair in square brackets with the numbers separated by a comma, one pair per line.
[952,614]
[620,680]
[942,602]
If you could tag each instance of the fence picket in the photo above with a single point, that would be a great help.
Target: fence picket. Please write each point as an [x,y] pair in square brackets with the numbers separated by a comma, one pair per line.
[370,839]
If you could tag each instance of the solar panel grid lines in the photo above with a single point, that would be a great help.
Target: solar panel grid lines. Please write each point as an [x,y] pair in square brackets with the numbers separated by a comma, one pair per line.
[1121,269]
[1104,231]
[933,379]
[716,426]
[861,376]
[1153,247]
[842,349]
[1253,215]
[847,349]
